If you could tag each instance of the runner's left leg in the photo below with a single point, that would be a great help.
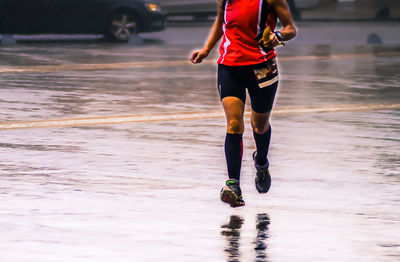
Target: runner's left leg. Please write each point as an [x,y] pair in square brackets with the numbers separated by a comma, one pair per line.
[262,135]
[262,88]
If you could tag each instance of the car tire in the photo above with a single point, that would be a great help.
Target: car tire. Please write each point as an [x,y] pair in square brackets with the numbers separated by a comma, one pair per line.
[121,26]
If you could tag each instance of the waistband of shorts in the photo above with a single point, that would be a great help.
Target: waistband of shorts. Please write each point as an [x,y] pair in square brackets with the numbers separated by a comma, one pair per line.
[251,67]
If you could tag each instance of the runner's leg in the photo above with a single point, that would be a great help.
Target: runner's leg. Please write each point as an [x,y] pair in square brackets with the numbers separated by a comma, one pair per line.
[234,109]
[262,135]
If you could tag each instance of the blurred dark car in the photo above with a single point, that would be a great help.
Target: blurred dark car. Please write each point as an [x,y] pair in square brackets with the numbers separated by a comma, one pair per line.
[117,19]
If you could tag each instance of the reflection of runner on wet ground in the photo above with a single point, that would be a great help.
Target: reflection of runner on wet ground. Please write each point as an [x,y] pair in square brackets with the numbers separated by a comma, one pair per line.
[262,223]
[232,231]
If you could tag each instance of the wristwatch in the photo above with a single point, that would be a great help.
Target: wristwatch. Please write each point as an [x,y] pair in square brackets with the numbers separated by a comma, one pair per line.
[278,35]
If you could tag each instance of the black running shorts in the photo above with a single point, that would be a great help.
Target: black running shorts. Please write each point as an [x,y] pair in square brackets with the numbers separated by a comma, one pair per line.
[260,80]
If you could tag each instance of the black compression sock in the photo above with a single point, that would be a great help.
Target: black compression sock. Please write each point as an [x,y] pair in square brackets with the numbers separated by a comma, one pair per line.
[233,154]
[262,144]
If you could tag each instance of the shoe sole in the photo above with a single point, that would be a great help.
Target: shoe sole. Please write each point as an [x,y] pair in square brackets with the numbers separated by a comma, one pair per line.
[229,197]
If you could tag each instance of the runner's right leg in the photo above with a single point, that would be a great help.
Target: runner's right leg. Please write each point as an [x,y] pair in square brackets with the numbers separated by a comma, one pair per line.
[234,109]
[233,97]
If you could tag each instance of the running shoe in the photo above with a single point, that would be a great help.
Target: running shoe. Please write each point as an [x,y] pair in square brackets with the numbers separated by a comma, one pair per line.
[232,194]
[263,177]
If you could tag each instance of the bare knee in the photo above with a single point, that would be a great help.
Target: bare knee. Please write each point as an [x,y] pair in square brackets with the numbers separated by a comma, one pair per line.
[261,129]
[261,126]
[235,126]
[260,122]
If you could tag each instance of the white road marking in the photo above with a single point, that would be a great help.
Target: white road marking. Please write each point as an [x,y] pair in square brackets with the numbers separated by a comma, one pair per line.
[124,119]
[147,64]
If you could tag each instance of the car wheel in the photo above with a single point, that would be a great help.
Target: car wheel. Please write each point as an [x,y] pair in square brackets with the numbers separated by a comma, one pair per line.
[122,25]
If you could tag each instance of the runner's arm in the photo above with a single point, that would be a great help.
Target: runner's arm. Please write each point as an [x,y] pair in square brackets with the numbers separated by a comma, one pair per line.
[289,30]
[281,9]
[213,38]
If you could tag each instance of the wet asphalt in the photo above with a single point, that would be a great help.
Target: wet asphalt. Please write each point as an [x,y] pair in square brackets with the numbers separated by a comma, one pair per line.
[114,152]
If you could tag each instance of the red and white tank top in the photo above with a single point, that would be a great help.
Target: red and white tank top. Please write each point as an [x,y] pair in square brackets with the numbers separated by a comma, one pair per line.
[243,21]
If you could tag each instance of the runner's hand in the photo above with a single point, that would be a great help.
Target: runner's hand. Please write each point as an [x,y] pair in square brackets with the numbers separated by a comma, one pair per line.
[198,56]
[268,39]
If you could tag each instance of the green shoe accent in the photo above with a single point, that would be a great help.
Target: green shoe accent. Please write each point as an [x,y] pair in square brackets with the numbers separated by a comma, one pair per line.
[231,182]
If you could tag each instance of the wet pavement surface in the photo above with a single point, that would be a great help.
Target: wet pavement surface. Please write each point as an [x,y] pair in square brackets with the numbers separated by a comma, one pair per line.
[147,189]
